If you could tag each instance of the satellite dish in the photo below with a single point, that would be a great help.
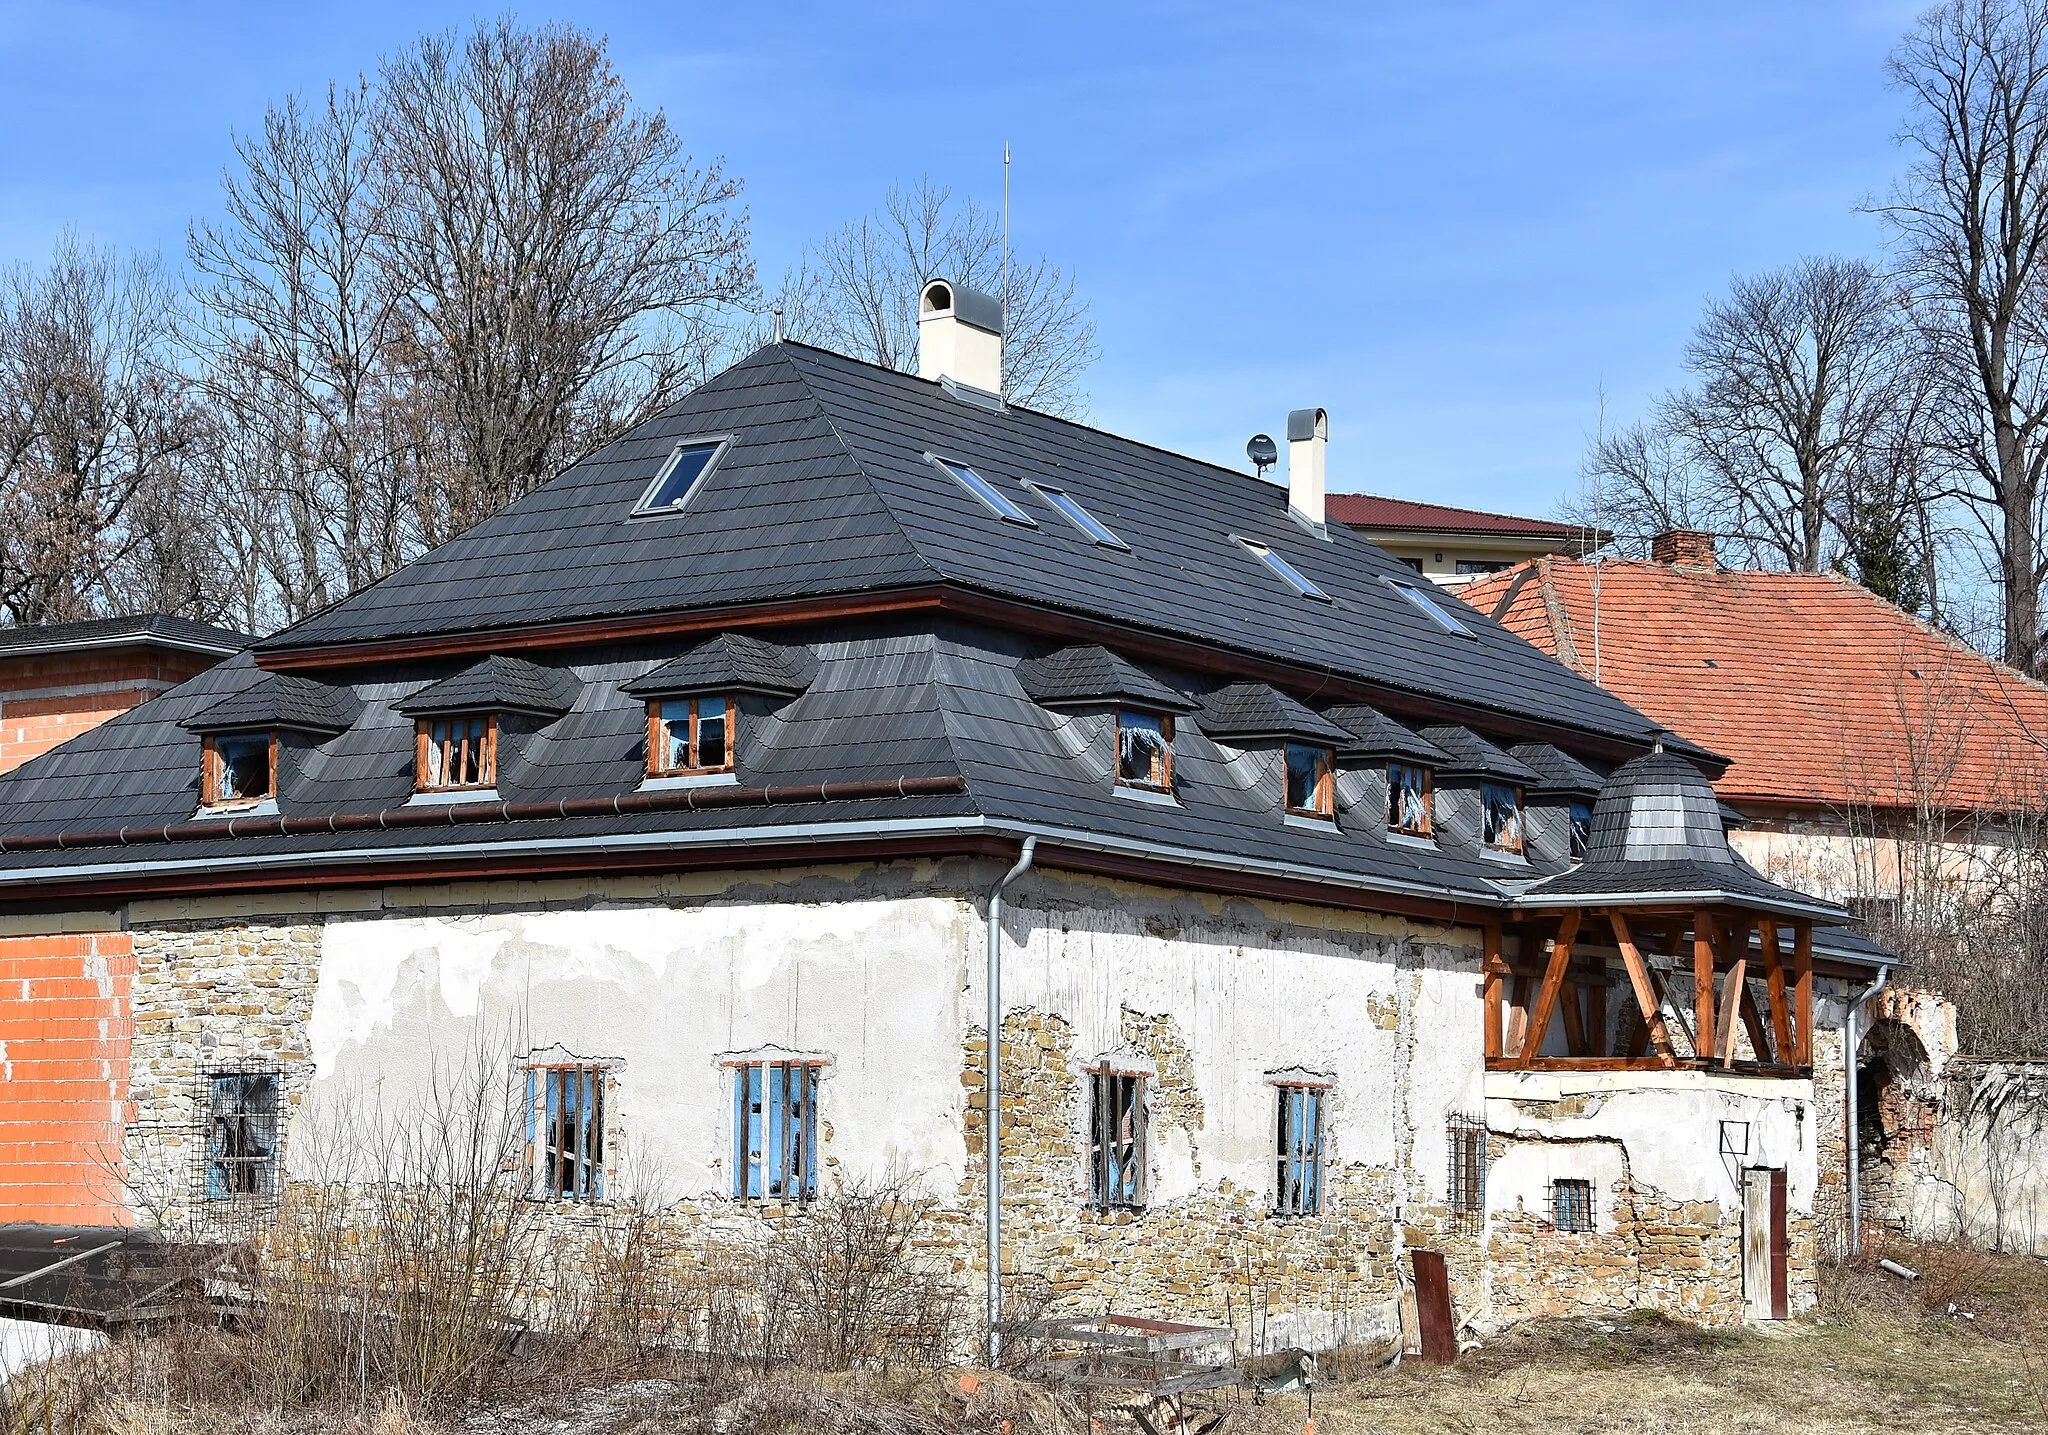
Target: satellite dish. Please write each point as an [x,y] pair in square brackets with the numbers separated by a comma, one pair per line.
[1262,452]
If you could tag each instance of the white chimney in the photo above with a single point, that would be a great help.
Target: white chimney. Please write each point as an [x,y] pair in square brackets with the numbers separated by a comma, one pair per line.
[1308,443]
[960,336]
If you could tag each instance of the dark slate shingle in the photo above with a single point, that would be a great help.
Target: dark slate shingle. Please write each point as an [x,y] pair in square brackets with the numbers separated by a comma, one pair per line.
[730,662]
[280,700]
[1255,710]
[1091,674]
[497,684]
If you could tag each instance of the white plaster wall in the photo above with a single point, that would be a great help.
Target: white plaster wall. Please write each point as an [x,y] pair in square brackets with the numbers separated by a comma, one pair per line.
[872,985]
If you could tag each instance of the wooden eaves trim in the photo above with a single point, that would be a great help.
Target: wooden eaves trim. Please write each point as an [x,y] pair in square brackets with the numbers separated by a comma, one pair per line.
[1317,685]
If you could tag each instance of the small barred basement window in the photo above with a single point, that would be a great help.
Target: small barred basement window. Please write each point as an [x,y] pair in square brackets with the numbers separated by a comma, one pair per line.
[689,735]
[565,1131]
[1468,1172]
[1408,799]
[775,1131]
[1500,816]
[1300,1187]
[1116,1139]
[239,769]
[1311,780]
[1571,1205]
[241,1141]
[457,752]
[1144,750]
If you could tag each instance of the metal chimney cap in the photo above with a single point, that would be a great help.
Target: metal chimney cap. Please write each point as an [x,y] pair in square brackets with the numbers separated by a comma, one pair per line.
[942,298]
[1307,423]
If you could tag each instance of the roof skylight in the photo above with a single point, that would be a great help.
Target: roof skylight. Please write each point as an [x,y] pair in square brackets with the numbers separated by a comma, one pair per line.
[1071,510]
[1436,611]
[679,475]
[987,492]
[1287,572]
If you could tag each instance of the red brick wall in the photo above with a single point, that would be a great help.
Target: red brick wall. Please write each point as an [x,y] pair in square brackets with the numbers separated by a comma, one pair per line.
[49,698]
[65,1030]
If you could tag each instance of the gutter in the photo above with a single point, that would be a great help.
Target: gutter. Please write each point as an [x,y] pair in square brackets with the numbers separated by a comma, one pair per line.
[993,1154]
[1852,1138]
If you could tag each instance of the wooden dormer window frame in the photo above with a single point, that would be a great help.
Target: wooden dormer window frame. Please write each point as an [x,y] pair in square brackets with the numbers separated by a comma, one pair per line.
[1322,795]
[213,771]
[454,738]
[1158,776]
[1513,834]
[674,753]
[1427,829]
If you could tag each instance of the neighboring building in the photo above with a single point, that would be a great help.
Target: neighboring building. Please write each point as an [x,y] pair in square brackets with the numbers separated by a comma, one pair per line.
[61,679]
[1334,918]
[1455,546]
[1853,731]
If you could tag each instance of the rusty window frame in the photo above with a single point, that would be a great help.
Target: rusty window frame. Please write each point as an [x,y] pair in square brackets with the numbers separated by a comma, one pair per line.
[1298,1189]
[1159,776]
[1425,808]
[214,768]
[241,1110]
[1466,1147]
[1117,1155]
[664,715]
[775,1130]
[565,1130]
[454,739]
[1571,1205]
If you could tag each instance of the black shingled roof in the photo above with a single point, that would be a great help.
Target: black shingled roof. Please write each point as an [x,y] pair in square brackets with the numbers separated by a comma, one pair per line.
[497,684]
[1255,710]
[731,663]
[159,629]
[281,700]
[1089,674]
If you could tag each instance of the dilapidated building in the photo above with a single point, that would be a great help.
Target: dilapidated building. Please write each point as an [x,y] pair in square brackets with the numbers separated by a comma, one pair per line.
[745,775]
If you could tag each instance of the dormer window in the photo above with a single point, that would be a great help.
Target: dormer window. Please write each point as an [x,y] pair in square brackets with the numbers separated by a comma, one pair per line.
[457,752]
[1408,794]
[1582,829]
[1144,750]
[689,735]
[1500,817]
[240,769]
[1311,781]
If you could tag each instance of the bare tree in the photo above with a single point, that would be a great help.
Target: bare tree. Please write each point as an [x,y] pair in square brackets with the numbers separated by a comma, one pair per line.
[1797,370]
[1971,217]
[1639,483]
[94,420]
[548,247]
[858,294]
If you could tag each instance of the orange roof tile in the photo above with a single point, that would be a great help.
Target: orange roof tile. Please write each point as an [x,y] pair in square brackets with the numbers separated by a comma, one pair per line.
[1817,690]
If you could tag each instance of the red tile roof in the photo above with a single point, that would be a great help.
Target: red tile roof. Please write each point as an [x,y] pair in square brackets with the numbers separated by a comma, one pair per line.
[1368,510]
[1819,691]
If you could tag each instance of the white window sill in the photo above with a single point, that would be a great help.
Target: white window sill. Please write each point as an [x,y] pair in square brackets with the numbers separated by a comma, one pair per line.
[1511,859]
[1146,794]
[453,797]
[1409,839]
[266,808]
[677,782]
[1309,824]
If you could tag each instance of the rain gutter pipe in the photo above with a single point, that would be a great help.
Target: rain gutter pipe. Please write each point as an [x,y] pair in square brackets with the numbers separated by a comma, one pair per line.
[994,1065]
[1852,1138]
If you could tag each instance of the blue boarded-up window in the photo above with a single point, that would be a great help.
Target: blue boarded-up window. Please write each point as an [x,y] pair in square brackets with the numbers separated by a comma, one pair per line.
[1116,1139]
[1300,1188]
[565,1131]
[775,1131]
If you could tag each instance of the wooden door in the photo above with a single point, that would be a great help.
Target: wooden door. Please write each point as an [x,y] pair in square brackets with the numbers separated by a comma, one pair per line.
[1756,1244]
[1780,1248]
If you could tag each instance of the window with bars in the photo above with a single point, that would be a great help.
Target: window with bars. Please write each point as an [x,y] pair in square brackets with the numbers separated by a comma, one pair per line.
[565,1131]
[689,735]
[457,752]
[1468,1172]
[1116,1139]
[1144,750]
[775,1131]
[1571,1205]
[240,769]
[1299,1191]
[241,1141]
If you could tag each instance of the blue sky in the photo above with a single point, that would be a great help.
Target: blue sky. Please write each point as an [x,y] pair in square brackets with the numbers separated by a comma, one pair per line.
[1456,226]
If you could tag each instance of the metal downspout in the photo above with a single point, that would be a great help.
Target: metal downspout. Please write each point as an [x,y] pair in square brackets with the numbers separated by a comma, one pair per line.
[1852,1137]
[994,1063]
